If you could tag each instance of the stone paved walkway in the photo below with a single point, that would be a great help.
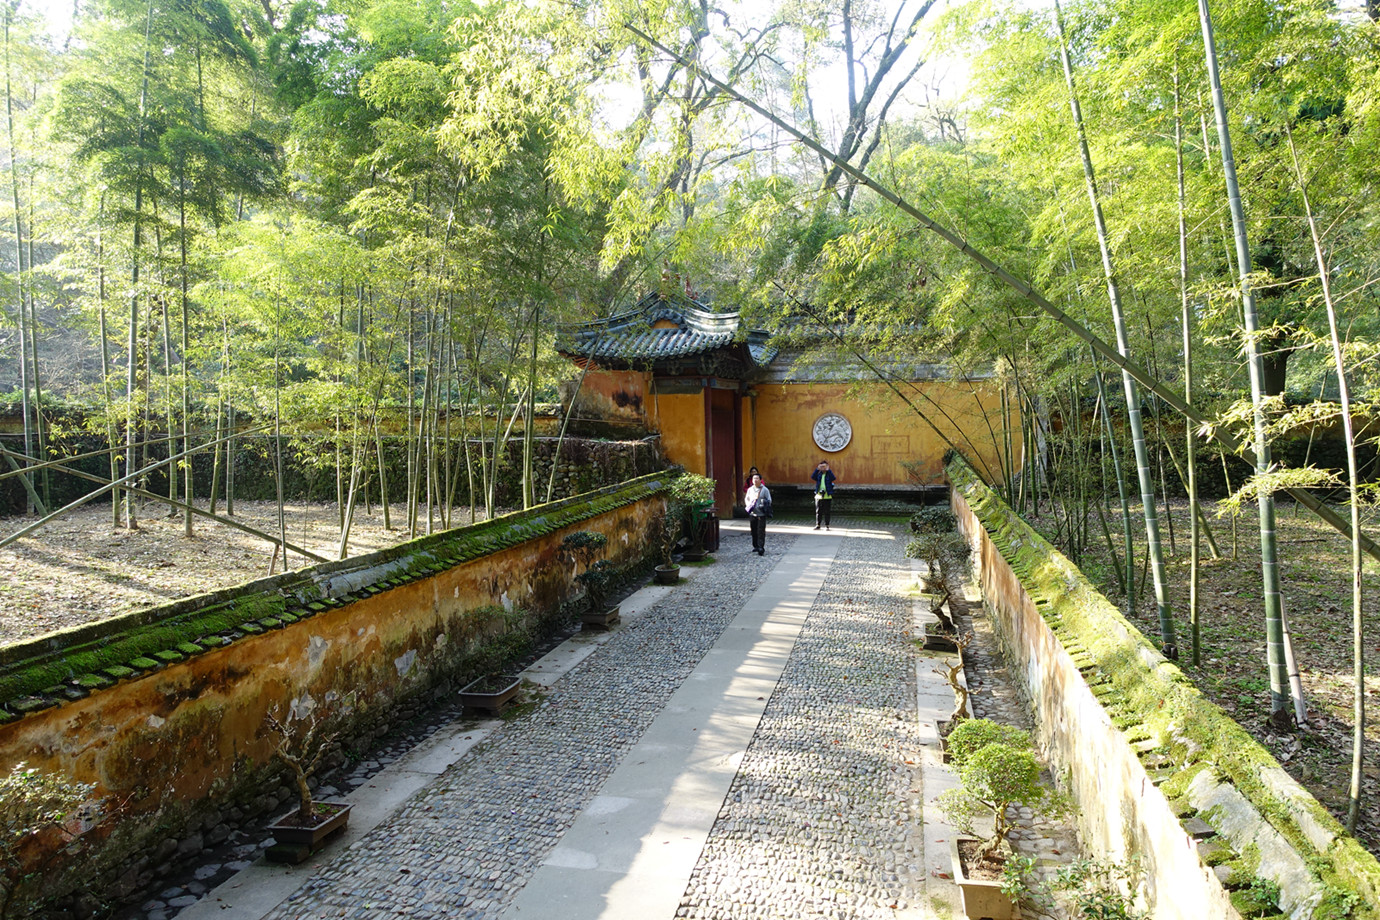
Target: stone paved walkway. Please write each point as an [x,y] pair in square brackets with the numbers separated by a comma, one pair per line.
[819,821]
[823,778]
[464,846]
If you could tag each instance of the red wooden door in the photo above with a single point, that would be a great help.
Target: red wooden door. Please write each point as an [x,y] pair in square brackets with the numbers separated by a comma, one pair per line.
[723,450]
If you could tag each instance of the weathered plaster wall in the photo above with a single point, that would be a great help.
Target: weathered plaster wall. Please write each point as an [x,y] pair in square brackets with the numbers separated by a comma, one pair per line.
[165,709]
[680,417]
[886,432]
[1138,746]
[617,395]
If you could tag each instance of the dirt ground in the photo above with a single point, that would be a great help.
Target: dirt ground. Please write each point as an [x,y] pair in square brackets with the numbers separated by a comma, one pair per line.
[1315,563]
[82,568]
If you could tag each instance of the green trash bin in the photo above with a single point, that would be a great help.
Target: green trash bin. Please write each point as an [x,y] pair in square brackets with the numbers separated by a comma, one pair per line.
[707,520]
[703,530]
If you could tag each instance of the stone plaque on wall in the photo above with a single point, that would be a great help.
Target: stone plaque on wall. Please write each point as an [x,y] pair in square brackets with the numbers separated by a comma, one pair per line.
[832,432]
[891,444]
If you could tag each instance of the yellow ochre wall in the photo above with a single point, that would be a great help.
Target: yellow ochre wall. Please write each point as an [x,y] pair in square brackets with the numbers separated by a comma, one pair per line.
[778,429]
[619,396]
[680,419]
[779,420]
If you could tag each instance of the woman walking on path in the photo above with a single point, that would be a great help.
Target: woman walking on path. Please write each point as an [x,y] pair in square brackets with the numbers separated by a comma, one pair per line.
[824,493]
[758,504]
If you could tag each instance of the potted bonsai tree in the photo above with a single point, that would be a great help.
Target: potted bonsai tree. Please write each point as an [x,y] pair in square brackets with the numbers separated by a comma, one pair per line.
[950,671]
[583,546]
[666,533]
[938,543]
[309,827]
[971,735]
[996,770]
[495,689]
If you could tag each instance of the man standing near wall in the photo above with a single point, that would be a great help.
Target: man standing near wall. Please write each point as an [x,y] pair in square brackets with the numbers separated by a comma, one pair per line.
[758,502]
[824,479]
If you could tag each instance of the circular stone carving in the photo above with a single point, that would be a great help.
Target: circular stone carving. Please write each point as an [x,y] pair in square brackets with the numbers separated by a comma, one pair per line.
[832,432]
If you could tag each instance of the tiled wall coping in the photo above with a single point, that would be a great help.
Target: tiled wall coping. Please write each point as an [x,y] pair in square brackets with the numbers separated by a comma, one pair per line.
[71,664]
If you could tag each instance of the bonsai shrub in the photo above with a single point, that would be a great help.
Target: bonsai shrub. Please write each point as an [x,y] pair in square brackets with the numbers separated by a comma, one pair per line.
[582,547]
[933,519]
[301,748]
[666,532]
[940,552]
[950,673]
[508,635]
[938,542]
[34,806]
[597,579]
[972,735]
[992,778]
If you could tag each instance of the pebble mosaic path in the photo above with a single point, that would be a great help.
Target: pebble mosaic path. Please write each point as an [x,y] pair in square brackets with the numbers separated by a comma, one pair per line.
[816,825]
[821,820]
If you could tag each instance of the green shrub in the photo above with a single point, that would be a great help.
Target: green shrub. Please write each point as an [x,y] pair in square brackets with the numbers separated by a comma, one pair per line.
[933,519]
[971,735]
[1100,889]
[993,778]
[582,547]
[31,803]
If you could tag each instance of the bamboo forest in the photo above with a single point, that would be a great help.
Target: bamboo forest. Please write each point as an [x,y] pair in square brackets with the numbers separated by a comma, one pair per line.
[341,235]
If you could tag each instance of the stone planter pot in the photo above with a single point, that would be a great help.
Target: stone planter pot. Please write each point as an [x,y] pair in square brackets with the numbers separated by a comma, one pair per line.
[937,639]
[490,694]
[600,619]
[667,574]
[982,899]
[294,841]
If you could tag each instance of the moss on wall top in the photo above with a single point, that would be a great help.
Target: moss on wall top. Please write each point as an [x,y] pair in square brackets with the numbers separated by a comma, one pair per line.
[69,665]
[1154,703]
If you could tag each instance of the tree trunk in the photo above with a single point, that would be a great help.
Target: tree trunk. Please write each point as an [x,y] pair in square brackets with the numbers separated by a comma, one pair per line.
[21,275]
[132,379]
[1130,579]
[1280,716]
[188,492]
[110,433]
[1358,648]
[1133,415]
[1186,320]
[529,489]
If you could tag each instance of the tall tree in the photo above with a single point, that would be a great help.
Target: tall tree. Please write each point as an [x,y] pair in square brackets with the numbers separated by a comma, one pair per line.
[1133,414]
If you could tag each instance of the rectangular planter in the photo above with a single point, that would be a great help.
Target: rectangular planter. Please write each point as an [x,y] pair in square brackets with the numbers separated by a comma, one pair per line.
[600,619]
[493,698]
[286,831]
[982,900]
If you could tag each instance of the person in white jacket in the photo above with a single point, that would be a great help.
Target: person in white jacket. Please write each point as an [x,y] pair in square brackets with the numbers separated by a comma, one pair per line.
[757,500]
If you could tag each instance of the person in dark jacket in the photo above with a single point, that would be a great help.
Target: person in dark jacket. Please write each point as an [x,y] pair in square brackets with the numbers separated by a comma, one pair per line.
[824,479]
[757,500]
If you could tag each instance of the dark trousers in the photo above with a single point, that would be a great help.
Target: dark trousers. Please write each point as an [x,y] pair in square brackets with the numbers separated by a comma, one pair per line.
[759,531]
[822,507]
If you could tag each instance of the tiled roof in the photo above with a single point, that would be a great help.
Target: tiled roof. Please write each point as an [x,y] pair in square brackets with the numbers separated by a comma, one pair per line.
[630,336]
[649,343]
